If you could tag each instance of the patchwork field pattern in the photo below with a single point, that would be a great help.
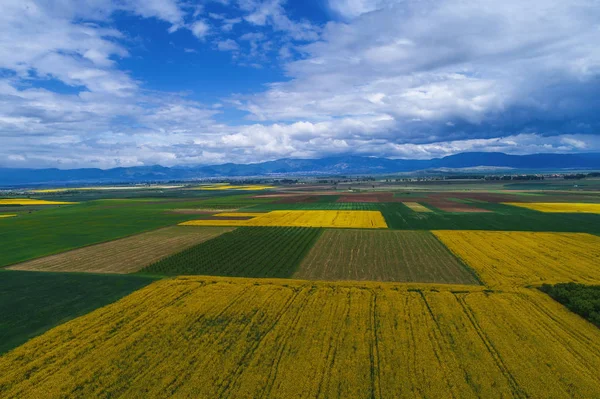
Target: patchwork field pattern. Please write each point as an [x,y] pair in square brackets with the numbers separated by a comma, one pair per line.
[562,207]
[246,252]
[401,256]
[209,337]
[516,259]
[126,255]
[31,303]
[331,219]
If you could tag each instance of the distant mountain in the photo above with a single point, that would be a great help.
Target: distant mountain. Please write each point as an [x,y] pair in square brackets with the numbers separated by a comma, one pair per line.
[347,165]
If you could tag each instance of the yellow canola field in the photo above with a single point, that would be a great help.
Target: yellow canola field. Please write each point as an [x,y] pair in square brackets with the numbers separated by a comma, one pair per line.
[217,187]
[415,206]
[332,219]
[562,207]
[515,259]
[30,201]
[7,215]
[214,337]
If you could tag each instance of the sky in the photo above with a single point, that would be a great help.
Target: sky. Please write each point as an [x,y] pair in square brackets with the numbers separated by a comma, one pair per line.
[112,83]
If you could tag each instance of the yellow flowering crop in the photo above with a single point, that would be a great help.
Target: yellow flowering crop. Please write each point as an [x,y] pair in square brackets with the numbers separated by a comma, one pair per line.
[512,259]
[30,201]
[7,215]
[218,187]
[415,206]
[209,337]
[559,207]
[333,219]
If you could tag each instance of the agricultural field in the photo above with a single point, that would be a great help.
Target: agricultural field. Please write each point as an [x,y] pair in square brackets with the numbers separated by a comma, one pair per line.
[245,252]
[125,255]
[331,219]
[515,259]
[31,201]
[500,217]
[211,337]
[402,256]
[415,206]
[6,215]
[59,229]
[355,289]
[560,207]
[32,303]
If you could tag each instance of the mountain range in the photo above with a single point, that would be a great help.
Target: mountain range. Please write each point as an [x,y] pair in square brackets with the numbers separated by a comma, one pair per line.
[342,165]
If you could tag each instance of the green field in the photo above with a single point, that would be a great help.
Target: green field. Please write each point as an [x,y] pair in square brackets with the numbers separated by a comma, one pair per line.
[244,252]
[50,231]
[32,302]
[501,217]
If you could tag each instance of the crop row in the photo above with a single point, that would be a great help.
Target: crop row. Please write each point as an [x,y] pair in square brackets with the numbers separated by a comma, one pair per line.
[214,338]
[245,252]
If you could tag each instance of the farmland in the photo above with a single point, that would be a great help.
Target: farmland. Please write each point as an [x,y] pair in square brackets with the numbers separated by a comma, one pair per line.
[31,303]
[513,259]
[385,290]
[211,337]
[408,256]
[331,219]
[29,201]
[125,255]
[55,230]
[501,217]
[415,206]
[560,207]
[245,252]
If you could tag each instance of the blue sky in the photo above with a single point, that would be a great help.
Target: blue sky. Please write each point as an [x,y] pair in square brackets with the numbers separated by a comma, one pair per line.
[106,83]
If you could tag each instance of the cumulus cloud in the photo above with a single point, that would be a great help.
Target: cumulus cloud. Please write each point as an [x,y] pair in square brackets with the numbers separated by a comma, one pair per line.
[446,70]
[411,78]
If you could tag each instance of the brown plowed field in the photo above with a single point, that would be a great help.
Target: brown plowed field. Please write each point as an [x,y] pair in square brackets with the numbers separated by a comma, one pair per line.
[447,205]
[402,256]
[126,255]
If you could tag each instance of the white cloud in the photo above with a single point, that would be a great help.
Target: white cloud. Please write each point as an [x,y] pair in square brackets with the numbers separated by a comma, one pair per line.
[200,29]
[399,79]
[227,45]
[486,67]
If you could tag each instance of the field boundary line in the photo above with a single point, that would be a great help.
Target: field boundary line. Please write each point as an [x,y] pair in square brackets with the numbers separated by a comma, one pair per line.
[333,347]
[459,258]
[238,371]
[516,388]
[435,344]
[88,245]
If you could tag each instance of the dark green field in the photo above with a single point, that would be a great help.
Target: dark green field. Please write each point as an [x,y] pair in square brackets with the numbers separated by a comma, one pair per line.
[32,302]
[269,252]
[502,217]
